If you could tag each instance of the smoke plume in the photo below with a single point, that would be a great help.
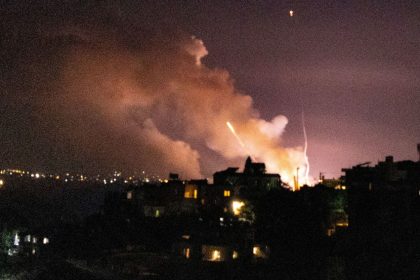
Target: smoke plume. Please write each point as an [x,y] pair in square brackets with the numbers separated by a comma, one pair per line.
[102,101]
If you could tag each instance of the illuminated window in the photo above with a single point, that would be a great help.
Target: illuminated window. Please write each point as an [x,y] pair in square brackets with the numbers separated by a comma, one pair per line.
[129,195]
[226,193]
[215,256]
[1,183]
[187,253]
[157,213]
[235,255]
[191,191]
[259,252]
[236,207]
[255,250]
[16,240]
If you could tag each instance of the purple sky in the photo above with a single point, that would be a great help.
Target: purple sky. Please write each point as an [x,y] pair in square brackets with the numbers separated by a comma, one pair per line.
[354,68]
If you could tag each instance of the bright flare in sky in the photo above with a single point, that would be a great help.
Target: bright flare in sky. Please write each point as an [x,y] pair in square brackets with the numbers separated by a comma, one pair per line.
[236,135]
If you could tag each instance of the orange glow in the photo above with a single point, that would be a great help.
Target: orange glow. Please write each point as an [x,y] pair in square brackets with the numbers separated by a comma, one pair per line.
[191,191]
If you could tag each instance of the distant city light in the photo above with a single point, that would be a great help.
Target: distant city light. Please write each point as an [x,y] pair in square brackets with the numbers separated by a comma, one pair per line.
[291,13]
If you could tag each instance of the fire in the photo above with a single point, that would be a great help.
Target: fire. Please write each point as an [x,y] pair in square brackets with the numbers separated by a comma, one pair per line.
[292,164]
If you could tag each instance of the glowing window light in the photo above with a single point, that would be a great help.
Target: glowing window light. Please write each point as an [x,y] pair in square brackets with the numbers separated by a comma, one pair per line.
[235,255]
[1,183]
[129,195]
[226,193]
[187,253]
[291,12]
[157,213]
[191,191]
[215,256]
[45,240]
[16,239]
[236,207]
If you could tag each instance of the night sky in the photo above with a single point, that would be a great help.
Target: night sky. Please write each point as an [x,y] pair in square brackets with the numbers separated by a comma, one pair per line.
[149,85]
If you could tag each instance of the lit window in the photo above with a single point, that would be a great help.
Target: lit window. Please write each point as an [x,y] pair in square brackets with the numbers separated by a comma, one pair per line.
[259,252]
[215,256]
[236,207]
[1,183]
[45,240]
[191,191]
[226,193]
[129,195]
[16,240]
[187,253]
[235,255]
[157,213]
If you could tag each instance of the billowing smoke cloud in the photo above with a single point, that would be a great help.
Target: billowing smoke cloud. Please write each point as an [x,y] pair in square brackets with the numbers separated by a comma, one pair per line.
[148,102]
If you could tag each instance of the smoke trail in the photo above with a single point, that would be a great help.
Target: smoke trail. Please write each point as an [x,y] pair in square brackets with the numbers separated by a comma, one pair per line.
[232,129]
[305,150]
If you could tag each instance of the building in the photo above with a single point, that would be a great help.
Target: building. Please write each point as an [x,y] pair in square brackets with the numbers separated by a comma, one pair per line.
[384,203]
[253,182]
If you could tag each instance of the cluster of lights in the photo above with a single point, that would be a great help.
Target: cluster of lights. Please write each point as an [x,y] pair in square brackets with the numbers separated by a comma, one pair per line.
[115,177]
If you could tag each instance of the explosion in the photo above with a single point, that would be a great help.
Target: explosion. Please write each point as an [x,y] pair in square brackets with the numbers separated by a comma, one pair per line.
[146,102]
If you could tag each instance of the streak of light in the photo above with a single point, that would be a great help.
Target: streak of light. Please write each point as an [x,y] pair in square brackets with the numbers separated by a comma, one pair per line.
[305,150]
